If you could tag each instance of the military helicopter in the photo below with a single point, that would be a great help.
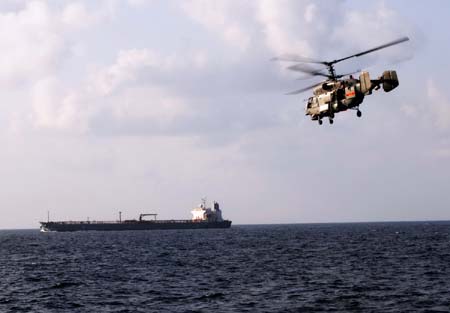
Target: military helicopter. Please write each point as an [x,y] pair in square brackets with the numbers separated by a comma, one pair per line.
[336,94]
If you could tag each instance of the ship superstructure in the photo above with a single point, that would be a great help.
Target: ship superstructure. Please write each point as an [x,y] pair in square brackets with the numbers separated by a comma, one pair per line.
[202,213]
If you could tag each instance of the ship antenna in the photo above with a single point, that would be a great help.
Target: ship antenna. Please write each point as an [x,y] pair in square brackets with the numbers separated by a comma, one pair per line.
[48,216]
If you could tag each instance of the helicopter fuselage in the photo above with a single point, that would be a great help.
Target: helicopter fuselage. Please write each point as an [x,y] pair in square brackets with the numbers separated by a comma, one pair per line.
[335,96]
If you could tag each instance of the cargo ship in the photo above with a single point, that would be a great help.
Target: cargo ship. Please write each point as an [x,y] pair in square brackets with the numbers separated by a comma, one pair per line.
[203,217]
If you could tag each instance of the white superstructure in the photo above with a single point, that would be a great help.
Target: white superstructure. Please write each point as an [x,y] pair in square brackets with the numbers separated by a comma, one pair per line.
[202,213]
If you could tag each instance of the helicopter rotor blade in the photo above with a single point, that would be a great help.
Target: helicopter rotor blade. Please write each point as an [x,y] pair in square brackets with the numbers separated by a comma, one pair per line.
[295,92]
[392,43]
[307,70]
[305,78]
[297,58]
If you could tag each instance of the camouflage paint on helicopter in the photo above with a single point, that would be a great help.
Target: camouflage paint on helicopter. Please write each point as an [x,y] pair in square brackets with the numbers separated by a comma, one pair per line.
[335,94]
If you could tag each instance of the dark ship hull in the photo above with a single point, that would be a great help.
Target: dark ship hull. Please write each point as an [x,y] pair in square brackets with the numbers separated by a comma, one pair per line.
[131,225]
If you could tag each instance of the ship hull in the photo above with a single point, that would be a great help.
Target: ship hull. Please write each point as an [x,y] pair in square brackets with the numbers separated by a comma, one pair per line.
[118,226]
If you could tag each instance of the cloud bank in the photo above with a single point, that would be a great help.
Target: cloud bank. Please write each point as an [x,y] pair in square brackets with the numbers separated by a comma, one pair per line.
[133,102]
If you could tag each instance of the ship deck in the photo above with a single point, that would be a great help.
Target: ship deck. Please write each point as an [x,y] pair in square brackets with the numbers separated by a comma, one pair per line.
[121,222]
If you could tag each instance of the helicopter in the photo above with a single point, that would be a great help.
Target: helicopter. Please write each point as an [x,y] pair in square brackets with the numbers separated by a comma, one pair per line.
[336,93]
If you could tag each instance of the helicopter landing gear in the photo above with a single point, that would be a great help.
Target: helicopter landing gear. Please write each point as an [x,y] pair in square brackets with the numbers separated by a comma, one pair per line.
[320,122]
[358,113]
[331,120]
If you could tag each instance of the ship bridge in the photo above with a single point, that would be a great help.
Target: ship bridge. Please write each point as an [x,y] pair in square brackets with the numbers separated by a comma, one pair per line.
[203,213]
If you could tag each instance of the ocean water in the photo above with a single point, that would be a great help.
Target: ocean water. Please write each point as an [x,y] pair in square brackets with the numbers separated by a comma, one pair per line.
[368,267]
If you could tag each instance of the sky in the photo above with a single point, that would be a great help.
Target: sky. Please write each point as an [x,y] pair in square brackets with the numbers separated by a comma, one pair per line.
[148,106]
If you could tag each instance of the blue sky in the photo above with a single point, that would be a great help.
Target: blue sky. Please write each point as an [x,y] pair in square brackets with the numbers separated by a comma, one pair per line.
[147,106]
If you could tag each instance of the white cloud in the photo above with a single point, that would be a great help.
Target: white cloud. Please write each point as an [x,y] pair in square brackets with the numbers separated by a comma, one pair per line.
[115,97]
[31,42]
[361,30]
[284,31]
[11,5]
[409,110]
[222,17]
[276,24]
[442,153]
[277,27]
[77,15]
[56,107]
[190,104]
[139,3]
[127,67]
[302,27]
[35,38]
[138,110]
[142,110]
[438,106]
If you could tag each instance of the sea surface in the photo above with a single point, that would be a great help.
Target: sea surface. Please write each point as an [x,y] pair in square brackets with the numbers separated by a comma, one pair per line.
[362,267]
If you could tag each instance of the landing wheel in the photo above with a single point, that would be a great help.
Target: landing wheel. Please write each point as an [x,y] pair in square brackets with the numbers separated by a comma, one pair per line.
[358,113]
[331,121]
[320,122]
